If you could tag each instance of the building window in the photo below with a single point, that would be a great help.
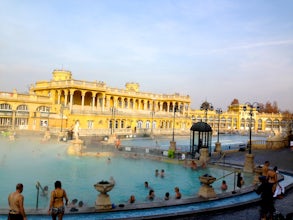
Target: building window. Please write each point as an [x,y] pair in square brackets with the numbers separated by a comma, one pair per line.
[5,107]
[139,124]
[147,125]
[44,123]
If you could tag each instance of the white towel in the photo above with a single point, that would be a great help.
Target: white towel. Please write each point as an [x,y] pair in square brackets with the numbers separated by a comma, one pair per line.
[279,190]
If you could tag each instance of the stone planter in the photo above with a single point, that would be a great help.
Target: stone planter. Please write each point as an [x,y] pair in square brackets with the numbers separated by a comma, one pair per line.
[76,147]
[103,200]
[207,191]
[206,179]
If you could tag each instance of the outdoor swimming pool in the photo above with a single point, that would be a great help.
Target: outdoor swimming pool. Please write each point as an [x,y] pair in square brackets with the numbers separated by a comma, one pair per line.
[27,160]
[228,142]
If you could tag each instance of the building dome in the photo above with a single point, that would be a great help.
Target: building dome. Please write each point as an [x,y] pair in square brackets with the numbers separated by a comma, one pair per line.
[201,126]
[61,75]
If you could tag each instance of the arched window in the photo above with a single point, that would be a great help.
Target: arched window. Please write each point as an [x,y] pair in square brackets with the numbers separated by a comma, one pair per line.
[259,124]
[268,124]
[276,123]
[5,107]
[22,108]
[139,124]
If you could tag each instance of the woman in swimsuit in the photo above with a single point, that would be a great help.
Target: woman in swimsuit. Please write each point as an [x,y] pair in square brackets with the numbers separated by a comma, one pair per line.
[57,208]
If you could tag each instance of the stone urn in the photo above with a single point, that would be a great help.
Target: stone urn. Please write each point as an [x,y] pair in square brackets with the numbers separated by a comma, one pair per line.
[206,190]
[76,147]
[103,201]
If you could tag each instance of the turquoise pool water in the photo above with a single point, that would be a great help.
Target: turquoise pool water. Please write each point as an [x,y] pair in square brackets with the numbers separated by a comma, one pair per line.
[183,142]
[29,160]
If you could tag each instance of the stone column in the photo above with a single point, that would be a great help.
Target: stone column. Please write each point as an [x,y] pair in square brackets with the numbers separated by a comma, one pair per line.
[93,100]
[65,97]
[71,98]
[249,163]
[218,147]
[59,96]
[82,99]
[172,145]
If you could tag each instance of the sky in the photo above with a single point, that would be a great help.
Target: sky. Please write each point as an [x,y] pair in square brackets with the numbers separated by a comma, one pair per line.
[211,50]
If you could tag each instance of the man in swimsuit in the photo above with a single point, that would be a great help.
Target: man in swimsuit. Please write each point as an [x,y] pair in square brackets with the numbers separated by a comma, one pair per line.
[15,201]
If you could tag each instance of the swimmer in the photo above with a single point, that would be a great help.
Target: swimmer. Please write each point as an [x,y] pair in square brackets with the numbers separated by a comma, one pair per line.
[80,204]
[162,173]
[151,195]
[131,199]
[193,165]
[167,196]
[177,193]
[157,172]
[224,186]
[45,191]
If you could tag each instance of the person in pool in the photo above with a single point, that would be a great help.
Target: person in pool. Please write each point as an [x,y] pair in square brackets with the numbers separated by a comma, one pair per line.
[151,195]
[177,193]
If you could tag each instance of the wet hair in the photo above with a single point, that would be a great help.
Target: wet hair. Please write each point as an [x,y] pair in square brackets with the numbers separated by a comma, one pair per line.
[19,186]
[57,184]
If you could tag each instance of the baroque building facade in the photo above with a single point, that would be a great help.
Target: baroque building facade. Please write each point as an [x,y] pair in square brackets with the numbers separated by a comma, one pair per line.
[62,102]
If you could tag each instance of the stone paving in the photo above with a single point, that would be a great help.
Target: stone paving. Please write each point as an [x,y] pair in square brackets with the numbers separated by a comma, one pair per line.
[283,159]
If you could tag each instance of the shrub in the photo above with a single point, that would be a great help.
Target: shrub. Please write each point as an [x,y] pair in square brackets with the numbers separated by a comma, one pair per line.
[171,154]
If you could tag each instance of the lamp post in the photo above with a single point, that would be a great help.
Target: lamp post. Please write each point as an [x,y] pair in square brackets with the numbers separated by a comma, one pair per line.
[206,106]
[218,144]
[249,160]
[173,143]
[219,112]
[250,107]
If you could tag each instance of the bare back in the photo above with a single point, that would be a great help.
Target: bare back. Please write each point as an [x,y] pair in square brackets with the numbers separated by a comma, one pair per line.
[57,196]
[15,201]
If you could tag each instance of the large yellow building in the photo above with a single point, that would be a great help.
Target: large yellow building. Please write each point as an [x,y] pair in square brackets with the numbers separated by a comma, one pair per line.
[60,103]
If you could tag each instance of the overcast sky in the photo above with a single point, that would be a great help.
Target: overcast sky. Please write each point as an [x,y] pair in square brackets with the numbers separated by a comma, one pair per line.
[214,50]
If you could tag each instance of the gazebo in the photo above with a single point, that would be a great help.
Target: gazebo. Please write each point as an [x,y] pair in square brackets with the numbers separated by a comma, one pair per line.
[200,137]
